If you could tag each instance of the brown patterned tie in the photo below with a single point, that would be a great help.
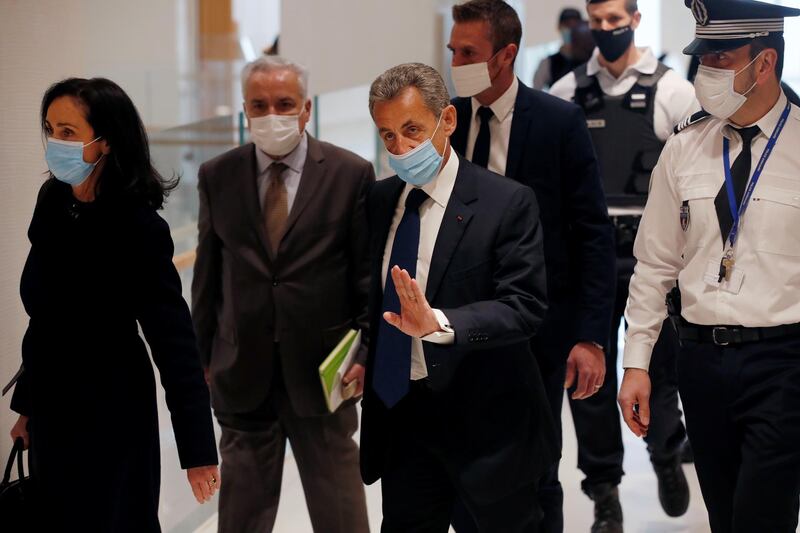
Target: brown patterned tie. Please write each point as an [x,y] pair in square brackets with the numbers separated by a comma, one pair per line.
[276,205]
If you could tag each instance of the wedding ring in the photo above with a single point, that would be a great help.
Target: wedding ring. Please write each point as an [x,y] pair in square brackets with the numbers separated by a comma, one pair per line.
[212,482]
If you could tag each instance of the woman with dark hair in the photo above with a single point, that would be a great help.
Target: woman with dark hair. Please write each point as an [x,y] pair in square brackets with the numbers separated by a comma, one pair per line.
[101,262]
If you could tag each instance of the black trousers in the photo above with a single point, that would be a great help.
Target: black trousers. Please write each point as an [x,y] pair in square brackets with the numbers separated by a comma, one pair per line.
[597,419]
[419,488]
[743,417]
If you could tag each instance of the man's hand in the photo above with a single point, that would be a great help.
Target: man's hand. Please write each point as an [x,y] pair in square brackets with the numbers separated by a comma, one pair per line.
[589,363]
[416,318]
[356,373]
[634,400]
[204,481]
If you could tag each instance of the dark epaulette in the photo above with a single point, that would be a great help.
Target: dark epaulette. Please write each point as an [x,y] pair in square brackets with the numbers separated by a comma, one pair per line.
[694,119]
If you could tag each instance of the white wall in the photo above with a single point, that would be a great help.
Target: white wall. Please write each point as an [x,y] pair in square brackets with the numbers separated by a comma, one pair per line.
[349,43]
[136,44]
[677,30]
[36,48]
[258,20]
[541,19]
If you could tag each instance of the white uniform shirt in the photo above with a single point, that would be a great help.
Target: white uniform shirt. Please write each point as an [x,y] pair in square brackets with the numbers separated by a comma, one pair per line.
[767,251]
[499,128]
[675,98]
[431,213]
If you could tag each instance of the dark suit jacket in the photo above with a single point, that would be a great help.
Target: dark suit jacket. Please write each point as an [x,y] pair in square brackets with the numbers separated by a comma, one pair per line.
[306,298]
[487,275]
[551,151]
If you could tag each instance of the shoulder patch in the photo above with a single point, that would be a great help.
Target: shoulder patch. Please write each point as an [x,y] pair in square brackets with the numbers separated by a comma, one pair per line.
[689,121]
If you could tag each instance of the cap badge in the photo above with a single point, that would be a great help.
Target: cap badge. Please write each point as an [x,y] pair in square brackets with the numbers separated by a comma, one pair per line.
[700,12]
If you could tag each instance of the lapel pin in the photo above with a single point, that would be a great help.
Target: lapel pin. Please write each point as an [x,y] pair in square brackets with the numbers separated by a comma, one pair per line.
[460,218]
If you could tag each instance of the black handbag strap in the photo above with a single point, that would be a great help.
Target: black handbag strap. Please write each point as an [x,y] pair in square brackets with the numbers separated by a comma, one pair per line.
[16,451]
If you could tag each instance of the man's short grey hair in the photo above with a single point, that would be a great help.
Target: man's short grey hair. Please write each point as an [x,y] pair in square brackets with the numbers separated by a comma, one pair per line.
[271,63]
[395,80]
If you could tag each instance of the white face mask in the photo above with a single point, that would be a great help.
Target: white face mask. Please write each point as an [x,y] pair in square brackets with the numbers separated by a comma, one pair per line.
[470,80]
[275,135]
[715,92]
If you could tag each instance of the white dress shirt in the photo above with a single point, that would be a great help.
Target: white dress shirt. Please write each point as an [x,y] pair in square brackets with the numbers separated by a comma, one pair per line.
[499,128]
[431,213]
[675,98]
[294,161]
[764,289]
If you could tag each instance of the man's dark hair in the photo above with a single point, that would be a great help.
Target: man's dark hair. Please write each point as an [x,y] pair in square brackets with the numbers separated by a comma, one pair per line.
[631,6]
[774,41]
[504,25]
[569,14]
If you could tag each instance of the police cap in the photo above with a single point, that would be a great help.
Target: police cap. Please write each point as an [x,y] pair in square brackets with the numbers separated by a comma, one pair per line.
[729,24]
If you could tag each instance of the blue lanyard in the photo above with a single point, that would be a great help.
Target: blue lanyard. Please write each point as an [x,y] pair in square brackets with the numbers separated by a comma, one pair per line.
[738,212]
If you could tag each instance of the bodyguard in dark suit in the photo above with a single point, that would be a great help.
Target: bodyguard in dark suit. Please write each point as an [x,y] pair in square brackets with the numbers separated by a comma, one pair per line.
[454,404]
[542,142]
[281,275]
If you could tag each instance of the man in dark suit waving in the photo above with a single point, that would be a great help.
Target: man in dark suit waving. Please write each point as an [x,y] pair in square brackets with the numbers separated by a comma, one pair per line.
[454,404]
[543,142]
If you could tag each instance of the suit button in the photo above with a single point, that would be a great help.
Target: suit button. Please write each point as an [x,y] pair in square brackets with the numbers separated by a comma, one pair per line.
[275,282]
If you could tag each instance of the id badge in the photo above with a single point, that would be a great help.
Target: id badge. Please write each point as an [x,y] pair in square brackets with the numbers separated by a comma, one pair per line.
[733,285]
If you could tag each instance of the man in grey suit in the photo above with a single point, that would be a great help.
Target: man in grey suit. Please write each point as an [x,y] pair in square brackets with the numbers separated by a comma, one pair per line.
[281,275]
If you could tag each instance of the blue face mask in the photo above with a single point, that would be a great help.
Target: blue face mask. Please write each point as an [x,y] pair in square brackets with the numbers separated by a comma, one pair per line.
[65,161]
[420,165]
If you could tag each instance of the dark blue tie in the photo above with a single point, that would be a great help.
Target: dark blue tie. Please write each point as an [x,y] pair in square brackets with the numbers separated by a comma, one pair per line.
[393,353]
[480,153]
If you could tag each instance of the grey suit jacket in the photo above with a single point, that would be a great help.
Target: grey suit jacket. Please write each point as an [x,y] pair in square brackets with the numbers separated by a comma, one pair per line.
[305,298]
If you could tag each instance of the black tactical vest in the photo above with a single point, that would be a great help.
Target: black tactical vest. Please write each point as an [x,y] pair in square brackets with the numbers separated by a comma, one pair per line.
[623,134]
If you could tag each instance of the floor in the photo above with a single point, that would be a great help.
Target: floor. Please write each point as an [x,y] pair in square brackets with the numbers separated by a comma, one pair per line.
[638,492]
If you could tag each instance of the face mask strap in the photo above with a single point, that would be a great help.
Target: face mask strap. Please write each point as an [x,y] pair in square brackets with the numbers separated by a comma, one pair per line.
[491,59]
[438,123]
[747,66]
[748,91]
[92,142]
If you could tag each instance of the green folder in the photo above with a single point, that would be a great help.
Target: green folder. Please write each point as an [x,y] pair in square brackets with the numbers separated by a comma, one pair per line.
[336,365]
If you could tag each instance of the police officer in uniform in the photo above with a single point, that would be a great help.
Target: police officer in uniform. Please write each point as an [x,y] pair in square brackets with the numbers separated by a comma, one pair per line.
[722,217]
[632,102]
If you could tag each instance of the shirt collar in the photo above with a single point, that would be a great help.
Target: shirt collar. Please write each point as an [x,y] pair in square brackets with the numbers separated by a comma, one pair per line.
[647,64]
[503,106]
[766,123]
[295,159]
[440,188]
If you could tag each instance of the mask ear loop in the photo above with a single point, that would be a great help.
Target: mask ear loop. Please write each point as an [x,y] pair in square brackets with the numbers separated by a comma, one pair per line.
[748,91]
[490,60]
[102,155]
[446,143]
